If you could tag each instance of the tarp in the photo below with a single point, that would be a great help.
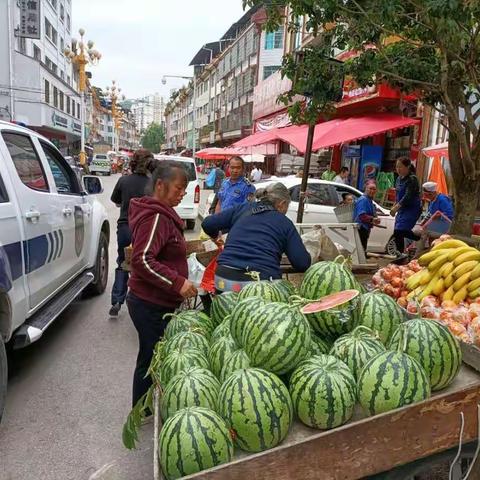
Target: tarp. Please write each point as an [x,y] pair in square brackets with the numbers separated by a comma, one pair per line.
[215,153]
[437,175]
[258,138]
[440,150]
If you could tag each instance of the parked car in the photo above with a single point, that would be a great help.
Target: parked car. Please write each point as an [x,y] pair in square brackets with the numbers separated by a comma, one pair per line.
[188,209]
[54,236]
[323,198]
[101,163]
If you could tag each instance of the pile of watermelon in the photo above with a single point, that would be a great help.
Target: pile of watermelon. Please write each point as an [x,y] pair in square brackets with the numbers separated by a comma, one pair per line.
[270,354]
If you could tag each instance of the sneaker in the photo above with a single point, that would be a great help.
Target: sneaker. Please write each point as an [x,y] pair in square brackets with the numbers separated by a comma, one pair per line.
[402,259]
[115,310]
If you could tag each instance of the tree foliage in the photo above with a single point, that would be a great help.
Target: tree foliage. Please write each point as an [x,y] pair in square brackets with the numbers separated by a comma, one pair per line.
[427,47]
[153,137]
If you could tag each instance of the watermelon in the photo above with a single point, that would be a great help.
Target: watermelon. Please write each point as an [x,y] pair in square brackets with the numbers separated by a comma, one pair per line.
[286,289]
[222,330]
[380,313]
[222,306]
[180,360]
[356,348]
[391,380]
[433,346]
[236,361]
[333,315]
[256,405]
[323,392]
[220,351]
[263,289]
[242,316]
[278,339]
[319,346]
[189,320]
[193,440]
[194,387]
[187,339]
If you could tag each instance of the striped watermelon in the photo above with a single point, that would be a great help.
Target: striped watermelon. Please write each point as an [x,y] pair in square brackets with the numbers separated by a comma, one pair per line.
[326,278]
[319,346]
[192,440]
[185,321]
[222,330]
[256,405]
[391,380]
[242,316]
[236,361]
[323,392]
[186,340]
[222,306]
[180,360]
[356,348]
[433,346]
[220,351]
[193,387]
[263,289]
[286,288]
[380,313]
[278,339]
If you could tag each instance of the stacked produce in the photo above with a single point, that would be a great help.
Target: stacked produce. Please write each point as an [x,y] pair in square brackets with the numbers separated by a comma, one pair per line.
[444,285]
[268,356]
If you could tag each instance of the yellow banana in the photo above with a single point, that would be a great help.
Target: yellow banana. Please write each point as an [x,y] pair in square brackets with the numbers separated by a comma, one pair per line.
[446,269]
[464,268]
[450,244]
[461,282]
[474,293]
[448,294]
[428,290]
[454,253]
[414,281]
[461,295]
[428,257]
[475,273]
[426,277]
[467,257]
[438,262]
[449,281]
[474,284]
[439,287]
[414,293]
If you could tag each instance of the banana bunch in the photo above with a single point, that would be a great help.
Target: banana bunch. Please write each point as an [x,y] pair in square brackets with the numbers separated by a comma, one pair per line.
[452,272]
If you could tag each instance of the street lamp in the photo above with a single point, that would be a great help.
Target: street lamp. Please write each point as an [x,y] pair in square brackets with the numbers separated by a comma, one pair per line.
[114,93]
[194,126]
[81,54]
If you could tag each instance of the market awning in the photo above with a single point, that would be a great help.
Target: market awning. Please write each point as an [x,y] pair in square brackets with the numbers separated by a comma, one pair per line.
[440,150]
[259,138]
[215,153]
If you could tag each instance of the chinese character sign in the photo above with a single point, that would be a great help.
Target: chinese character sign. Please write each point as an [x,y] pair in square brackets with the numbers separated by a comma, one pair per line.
[30,19]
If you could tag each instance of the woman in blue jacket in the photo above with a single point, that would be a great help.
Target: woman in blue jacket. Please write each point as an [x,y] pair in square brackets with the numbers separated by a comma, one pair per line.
[408,206]
[259,234]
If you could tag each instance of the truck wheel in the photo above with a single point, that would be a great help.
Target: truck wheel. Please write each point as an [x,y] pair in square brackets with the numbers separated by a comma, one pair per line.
[3,377]
[100,270]
[190,224]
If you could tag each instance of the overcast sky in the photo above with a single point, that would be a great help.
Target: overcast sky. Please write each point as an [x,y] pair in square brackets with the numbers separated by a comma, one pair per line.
[142,40]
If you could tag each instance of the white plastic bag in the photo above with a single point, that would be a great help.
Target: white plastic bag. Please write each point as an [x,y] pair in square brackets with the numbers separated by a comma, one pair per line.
[319,245]
[195,270]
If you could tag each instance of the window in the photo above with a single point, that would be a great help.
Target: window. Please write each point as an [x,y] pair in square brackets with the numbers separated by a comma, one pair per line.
[53,3]
[78,111]
[50,32]
[62,74]
[47,91]
[3,192]
[342,191]
[62,106]
[65,179]
[26,161]
[55,97]
[62,12]
[268,71]
[317,194]
[37,53]
[69,80]
[68,103]
[62,45]
[22,45]
[68,22]
[274,39]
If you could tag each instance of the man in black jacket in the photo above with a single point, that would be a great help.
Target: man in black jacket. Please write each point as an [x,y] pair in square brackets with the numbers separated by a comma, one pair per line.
[127,187]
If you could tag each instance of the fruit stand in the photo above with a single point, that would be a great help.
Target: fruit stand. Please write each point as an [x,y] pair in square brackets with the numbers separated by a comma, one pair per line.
[325,381]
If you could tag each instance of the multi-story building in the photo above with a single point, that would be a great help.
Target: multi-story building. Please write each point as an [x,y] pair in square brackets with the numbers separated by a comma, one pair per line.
[38,86]
[147,110]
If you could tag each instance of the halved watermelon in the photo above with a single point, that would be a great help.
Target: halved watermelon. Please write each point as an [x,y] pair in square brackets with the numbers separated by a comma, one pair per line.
[330,301]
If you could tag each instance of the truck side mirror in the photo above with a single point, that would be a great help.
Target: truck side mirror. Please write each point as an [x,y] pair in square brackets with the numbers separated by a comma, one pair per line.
[93,185]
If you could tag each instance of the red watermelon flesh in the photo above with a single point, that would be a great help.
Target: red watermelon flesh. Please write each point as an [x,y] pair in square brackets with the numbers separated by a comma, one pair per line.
[330,301]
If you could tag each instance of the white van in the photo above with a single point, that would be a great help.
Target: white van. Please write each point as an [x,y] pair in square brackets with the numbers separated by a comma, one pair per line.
[188,209]
[101,163]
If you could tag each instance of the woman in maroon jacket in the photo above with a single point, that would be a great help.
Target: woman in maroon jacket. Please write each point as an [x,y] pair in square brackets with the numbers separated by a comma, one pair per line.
[159,272]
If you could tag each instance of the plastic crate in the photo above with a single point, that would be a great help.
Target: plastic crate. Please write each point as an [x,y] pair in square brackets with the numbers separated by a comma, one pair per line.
[344,213]
[438,224]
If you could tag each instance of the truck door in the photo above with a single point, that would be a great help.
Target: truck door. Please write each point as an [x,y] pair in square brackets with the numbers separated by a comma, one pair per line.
[43,240]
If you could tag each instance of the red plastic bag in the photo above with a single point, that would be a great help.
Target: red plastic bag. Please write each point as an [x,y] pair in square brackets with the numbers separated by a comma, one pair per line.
[208,280]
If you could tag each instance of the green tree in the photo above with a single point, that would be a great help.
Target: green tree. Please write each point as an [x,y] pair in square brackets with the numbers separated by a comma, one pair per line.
[427,47]
[153,137]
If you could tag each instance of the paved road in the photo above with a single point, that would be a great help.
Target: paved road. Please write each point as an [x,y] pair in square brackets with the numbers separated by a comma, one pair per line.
[69,394]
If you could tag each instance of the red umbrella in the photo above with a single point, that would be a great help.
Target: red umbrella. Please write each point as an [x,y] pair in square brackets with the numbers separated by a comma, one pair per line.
[215,153]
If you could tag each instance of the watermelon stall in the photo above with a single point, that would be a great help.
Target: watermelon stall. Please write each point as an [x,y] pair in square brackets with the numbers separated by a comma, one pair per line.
[324,381]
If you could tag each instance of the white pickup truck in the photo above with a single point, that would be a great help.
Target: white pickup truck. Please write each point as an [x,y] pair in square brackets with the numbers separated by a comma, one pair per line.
[54,237]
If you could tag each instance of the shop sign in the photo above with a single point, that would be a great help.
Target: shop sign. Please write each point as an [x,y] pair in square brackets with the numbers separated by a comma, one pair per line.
[76,127]
[351,90]
[59,121]
[277,121]
[266,93]
[29,19]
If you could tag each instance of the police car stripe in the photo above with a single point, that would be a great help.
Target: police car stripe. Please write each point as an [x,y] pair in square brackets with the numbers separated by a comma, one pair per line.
[57,245]
[147,248]
[51,246]
[61,242]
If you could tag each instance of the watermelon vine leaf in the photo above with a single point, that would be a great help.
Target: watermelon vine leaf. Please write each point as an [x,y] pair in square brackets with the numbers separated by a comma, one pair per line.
[138,414]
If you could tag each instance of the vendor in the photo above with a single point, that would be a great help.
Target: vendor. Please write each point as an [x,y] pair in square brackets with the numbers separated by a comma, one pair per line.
[437,202]
[408,206]
[365,213]
[259,234]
